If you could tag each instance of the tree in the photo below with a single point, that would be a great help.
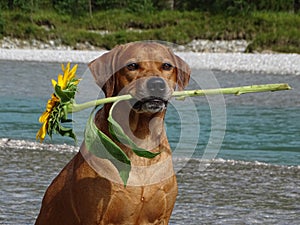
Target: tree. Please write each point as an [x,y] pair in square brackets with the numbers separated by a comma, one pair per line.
[296,6]
[90,8]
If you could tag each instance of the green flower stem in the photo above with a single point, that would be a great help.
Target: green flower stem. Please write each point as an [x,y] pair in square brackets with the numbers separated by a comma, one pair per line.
[74,107]
[233,90]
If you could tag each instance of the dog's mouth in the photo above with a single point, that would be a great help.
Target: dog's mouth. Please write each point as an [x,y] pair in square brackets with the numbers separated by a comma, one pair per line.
[150,104]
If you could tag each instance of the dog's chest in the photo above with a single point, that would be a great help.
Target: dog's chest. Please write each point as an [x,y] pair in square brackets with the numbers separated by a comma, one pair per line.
[150,204]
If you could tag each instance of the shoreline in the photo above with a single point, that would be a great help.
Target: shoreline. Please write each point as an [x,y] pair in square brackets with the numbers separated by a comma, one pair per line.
[23,144]
[277,63]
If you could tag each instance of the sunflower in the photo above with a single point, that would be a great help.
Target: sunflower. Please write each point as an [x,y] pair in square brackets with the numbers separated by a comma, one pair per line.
[56,109]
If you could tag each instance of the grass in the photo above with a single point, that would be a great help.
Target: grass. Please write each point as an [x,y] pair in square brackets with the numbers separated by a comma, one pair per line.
[265,30]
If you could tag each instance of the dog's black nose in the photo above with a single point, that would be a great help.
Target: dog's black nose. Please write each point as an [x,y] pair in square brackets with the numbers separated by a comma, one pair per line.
[156,86]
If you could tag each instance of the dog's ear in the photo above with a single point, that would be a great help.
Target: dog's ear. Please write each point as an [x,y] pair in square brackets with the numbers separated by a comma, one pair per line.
[103,69]
[183,73]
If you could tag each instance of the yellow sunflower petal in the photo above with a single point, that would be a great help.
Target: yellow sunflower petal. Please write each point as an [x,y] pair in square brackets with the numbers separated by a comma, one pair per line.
[41,134]
[72,73]
[66,75]
[62,67]
[44,117]
[68,66]
[66,70]
[54,83]
[51,103]
[54,98]
[60,80]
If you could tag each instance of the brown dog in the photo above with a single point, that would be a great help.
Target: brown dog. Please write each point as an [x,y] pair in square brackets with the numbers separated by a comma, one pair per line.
[89,189]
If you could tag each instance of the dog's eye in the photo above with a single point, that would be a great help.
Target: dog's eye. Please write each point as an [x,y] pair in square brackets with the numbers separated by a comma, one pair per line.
[167,66]
[132,66]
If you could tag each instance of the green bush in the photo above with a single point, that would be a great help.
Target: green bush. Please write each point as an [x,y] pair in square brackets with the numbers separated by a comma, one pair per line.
[140,6]
[74,8]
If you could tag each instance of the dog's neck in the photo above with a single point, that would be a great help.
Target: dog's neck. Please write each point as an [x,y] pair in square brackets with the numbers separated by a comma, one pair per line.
[145,129]
[143,125]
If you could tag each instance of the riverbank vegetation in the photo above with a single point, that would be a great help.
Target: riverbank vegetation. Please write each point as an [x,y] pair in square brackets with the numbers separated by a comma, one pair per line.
[270,26]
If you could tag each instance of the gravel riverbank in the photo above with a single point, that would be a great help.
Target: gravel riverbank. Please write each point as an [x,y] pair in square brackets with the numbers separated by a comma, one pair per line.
[266,63]
[199,54]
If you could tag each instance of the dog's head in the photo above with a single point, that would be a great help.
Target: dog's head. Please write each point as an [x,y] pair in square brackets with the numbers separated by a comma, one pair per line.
[148,71]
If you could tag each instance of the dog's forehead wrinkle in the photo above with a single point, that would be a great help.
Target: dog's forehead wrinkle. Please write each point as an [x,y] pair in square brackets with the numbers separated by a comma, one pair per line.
[149,58]
[147,52]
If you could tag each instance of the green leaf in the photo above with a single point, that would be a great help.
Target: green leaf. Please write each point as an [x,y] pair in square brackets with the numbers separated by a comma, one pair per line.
[64,95]
[65,131]
[117,132]
[102,146]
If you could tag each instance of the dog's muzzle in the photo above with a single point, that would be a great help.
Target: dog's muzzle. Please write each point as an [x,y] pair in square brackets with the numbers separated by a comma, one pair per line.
[150,104]
[155,100]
